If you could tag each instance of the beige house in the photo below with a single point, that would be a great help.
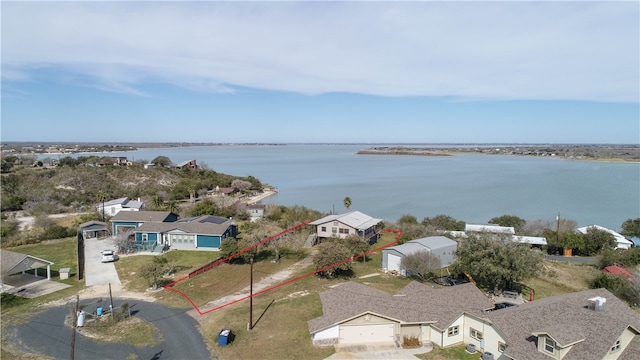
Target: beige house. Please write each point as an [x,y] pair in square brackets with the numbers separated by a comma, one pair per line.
[586,325]
[351,223]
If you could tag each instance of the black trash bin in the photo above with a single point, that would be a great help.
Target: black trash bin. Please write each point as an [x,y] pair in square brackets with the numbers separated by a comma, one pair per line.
[224,338]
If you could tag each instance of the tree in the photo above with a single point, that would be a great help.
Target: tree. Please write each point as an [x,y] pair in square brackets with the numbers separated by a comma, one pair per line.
[330,253]
[420,264]
[124,241]
[172,206]
[509,221]
[154,271]
[444,222]
[596,240]
[407,219]
[241,185]
[356,245]
[347,202]
[494,263]
[631,228]
[157,202]
[228,247]
[162,161]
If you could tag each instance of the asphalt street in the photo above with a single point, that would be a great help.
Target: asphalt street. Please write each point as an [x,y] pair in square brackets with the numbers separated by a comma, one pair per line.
[46,333]
[97,272]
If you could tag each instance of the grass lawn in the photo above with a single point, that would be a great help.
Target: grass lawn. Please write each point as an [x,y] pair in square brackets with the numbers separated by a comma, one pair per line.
[455,352]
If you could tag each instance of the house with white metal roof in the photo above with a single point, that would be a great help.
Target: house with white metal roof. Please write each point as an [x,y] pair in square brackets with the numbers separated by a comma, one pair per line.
[351,223]
[112,207]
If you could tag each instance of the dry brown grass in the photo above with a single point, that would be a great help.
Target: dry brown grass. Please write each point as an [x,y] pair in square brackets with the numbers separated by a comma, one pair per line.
[562,278]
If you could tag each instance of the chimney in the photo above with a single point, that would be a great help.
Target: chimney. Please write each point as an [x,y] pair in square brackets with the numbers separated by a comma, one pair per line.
[597,304]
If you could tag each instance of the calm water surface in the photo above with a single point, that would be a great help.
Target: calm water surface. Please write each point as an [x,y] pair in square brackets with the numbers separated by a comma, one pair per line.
[473,188]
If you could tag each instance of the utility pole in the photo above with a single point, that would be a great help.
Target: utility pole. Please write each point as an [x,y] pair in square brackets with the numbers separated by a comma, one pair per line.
[558,232]
[73,328]
[251,295]
[111,304]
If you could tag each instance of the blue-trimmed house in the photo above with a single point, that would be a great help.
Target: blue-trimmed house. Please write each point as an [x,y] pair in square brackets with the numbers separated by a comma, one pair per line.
[130,220]
[204,232]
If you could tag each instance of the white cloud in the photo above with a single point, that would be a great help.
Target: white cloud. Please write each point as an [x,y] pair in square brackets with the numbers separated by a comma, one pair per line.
[495,50]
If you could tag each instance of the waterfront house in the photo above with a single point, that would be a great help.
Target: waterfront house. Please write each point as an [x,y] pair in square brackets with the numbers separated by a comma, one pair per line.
[351,223]
[188,164]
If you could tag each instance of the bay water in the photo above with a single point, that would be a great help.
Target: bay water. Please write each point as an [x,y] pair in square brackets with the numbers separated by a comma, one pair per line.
[469,187]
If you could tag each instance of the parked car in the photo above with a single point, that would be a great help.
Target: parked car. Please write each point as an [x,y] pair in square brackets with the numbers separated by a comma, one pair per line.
[108,256]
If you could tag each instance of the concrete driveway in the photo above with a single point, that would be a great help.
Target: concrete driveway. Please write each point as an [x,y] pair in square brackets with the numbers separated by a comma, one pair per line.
[96,272]
[372,351]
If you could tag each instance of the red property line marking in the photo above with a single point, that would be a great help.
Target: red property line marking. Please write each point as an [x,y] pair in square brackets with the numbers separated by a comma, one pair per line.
[169,286]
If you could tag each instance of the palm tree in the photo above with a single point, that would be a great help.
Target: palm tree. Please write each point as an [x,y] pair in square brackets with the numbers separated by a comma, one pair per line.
[157,202]
[101,198]
[172,205]
[192,193]
[347,202]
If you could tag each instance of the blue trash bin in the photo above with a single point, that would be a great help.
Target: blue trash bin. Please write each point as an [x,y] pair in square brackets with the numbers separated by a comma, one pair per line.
[224,337]
[99,311]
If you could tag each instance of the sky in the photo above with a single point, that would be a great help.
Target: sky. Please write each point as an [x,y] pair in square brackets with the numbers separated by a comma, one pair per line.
[314,71]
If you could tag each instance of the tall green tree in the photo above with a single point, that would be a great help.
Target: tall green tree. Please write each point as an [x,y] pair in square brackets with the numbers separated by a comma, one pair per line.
[631,227]
[509,221]
[497,264]
[161,161]
[330,253]
[444,222]
[596,240]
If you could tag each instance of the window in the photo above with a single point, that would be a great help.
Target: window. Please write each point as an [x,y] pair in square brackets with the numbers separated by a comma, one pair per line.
[475,334]
[334,230]
[323,229]
[453,331]
[549,345]
[616,347]
[502,346]
[344,231]
[144,237]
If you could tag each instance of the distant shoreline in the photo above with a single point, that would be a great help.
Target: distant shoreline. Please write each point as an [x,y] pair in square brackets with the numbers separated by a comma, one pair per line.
[605,153]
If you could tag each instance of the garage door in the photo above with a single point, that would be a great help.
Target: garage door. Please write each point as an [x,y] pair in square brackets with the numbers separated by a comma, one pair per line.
[393,262]
[357,334]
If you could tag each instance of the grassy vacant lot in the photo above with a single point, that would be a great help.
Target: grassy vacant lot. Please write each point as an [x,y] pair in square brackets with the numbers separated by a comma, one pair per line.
[561,278]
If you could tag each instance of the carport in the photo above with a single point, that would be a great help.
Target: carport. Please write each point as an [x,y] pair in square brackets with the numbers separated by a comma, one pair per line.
[94,229]
[16,263]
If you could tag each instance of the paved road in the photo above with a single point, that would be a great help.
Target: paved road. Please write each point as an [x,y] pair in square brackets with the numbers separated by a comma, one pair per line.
[46,333]
[96,272]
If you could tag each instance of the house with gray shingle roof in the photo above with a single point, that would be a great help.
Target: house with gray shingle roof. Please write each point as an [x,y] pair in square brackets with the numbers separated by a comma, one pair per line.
[129,220]
[204,232]
[592,324]
[354,313]
[585,325]
[345,225]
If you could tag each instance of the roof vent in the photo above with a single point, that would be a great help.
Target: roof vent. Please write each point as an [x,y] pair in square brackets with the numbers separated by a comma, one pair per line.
[597,303]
